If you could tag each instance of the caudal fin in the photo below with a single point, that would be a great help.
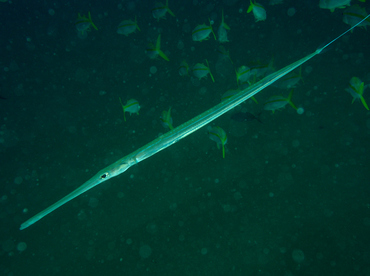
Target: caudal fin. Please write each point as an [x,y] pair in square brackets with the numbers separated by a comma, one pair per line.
[290,99]
[209,70]
[92,23]
[137,27]
[158,48]
[168,9]
[210,25]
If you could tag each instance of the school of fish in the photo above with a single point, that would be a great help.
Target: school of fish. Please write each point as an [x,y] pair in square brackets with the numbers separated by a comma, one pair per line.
[246,75]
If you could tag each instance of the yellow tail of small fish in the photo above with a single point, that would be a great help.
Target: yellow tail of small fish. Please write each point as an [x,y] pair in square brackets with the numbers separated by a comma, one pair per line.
[92,24]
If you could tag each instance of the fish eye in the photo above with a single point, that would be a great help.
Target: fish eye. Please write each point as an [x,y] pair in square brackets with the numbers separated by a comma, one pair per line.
[104,175]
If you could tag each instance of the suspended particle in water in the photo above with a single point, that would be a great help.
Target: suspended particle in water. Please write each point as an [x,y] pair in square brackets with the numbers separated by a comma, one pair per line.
[180,45]
[153,69]
[308,69]
[21,246]
[8,245]
[300,110]
[152,228]
[18,180]
[282,250]
[295,143]
[291,12]
[298,256]
[145,251]
[202,90]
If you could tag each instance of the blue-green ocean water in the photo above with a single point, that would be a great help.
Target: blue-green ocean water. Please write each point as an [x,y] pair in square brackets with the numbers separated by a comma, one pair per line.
[291,196]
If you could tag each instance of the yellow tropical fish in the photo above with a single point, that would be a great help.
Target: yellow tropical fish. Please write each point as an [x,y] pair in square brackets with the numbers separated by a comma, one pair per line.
[166,119]
[153,52]
[159,11]
[258,10]
[333,4]
[354,14]
[184,69]
[127,27]
[223,53]
[356,89]
[218,135]
[290,80]
[222,30]
[202,32]
[200,71]
[262,69]
[228,94]
[243,74]
[84,23]
[132,106]
[277,102]
[247,84]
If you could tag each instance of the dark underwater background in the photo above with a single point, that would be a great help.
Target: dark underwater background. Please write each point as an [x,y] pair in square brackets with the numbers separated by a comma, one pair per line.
[291,196]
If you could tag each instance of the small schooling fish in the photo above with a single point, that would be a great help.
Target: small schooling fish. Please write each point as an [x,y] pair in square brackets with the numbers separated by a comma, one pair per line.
[84,23]
[200,71]
[354,14]
[184,69]
[243,74]
[222,30]
[333,4]
[166,119]
[218,135]
[228,94]
[127,27]
[246,85]
[260,69]
[159,11]
[153,52]
[356,89]
[278,102]
[290,80]
[202,32]
[132,106]
[223,54]
[258,10]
